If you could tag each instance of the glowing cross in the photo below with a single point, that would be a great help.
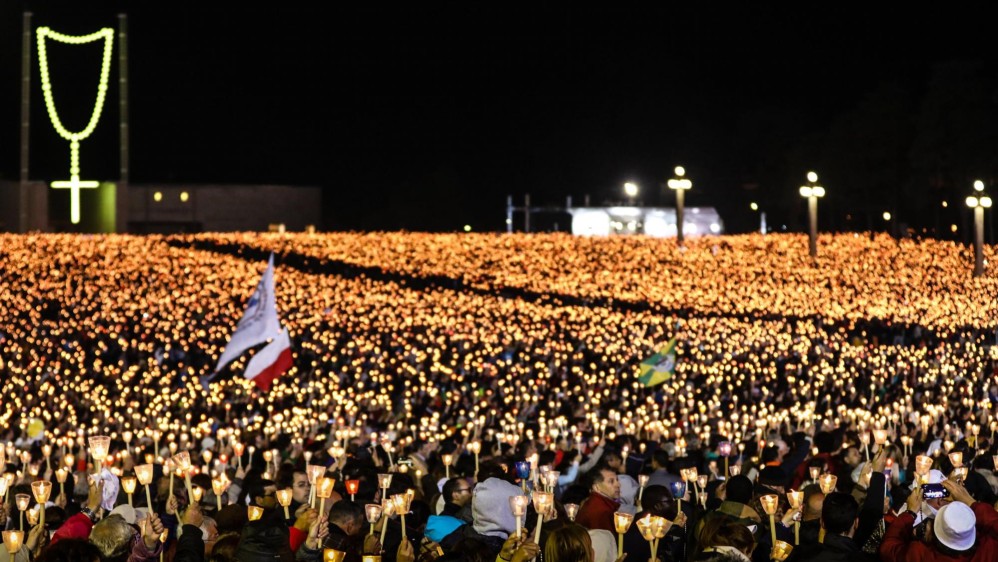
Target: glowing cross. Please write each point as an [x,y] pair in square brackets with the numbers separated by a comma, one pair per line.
[74,184]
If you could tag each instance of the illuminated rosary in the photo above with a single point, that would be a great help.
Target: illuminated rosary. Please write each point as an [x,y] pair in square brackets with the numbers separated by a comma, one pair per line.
[74,184]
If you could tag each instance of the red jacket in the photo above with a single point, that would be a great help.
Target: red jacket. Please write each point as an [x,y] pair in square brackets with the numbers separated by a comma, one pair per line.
[76,527]
[597,512]
[900,545]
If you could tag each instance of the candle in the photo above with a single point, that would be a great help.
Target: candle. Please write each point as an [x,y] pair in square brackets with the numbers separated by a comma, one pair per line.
[781,551]
[401,502]
[387,508]
[254,512]
[827,483]
[99,446]
[475,447]
[622,522]
[373,513]
[41,489]
[923,464]
[769,503]
[13,541]
[324,489]
[183,462]
[128,485]
[143,473]
[542,505]
[796,499]
[518,504]
[571,510]
[956,459]
[22,501]
[219,485]
[284,498]
[352,487]
[447,460]
[333,555]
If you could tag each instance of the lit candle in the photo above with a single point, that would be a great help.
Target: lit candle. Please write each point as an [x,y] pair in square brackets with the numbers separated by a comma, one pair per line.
[324,489]
[254,512]
[284,498]
[621,521]
[769,503]
[143,472]
[41,489]
[352,487]
[22,501]
[571,510]
[128,485]
[518,504]
[373,513]
[796,499]
[13,541]
[781,551]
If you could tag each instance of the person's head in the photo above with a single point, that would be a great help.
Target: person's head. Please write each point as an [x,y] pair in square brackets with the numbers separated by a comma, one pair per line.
[770,454]
[954,529]
[348,516]
[613,460]
[724,532]
[300,488]
[263,493]
[657,500]
[851,456]
[570,543]
[70,550]
[773,478]
[839,514]
[738,489]
[814,499]
[457,491]
[209,533]
[659,459]
[112,536]
[605,482]
[225,548]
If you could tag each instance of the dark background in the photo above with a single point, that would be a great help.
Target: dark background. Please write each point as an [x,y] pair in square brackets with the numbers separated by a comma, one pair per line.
[425,116]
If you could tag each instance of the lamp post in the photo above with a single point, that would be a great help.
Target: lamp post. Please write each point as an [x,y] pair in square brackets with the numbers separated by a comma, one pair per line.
[978,203]
[812,192]
[762,216]
[680,185]
[631,191]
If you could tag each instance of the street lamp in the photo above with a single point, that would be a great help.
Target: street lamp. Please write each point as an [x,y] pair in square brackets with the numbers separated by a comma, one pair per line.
[978,203]
[762,216]
[631,191]
[812,192]
[679,184]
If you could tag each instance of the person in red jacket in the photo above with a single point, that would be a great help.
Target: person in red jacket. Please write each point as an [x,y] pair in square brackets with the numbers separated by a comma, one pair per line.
[604,499]
[964,530]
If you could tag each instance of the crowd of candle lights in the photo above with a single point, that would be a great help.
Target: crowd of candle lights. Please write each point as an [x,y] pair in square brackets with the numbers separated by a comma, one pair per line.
[103,340]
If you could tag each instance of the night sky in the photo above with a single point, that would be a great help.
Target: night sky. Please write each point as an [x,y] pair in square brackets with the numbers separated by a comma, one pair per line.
[425,117]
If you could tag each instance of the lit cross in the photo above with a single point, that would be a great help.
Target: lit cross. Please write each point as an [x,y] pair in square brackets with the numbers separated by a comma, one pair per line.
[75,185]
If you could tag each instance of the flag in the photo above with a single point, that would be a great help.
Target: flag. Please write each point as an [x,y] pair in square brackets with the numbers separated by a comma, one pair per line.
[659,367]
[258,324]
[270,362]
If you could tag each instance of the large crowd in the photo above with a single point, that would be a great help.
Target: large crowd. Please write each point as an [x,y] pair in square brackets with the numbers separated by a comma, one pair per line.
[499,416]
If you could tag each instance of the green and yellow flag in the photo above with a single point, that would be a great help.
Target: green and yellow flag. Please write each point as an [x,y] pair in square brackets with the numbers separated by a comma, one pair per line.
[659,367]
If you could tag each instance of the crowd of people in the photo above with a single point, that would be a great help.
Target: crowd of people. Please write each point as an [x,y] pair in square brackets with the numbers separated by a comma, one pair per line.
[811,403]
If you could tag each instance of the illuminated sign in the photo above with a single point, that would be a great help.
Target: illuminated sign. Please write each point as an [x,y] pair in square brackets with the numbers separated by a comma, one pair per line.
[74,183]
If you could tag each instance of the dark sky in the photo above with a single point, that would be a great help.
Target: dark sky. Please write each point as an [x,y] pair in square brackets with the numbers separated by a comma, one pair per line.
[426,115]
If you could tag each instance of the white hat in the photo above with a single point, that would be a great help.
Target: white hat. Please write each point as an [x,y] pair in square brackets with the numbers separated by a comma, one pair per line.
[954,526]
[126,512]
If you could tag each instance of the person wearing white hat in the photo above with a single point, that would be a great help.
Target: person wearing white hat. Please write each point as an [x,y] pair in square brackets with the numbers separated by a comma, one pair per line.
[963,529]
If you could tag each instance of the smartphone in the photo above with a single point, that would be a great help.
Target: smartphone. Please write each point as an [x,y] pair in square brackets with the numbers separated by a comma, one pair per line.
[934,491]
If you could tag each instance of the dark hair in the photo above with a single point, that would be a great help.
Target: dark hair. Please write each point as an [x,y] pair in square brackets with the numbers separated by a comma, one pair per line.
[346,511]
[738,489]
[721,531]
[838,514]
[769,454]
[449,487]
[225,548]
[660,457]
[567,544]
[258,489]
[70,550]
